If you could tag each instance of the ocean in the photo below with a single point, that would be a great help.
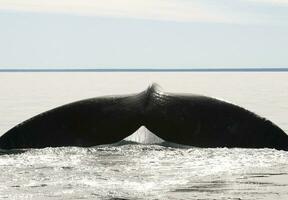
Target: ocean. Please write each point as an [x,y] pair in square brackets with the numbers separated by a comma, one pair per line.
[137,168]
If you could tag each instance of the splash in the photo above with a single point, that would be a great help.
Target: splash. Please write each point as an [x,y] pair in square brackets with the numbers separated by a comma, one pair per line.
[144,136]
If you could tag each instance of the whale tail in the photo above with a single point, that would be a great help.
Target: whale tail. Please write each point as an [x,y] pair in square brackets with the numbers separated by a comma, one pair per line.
[183,119]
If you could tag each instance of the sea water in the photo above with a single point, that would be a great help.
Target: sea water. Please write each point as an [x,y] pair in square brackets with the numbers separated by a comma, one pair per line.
[137,168]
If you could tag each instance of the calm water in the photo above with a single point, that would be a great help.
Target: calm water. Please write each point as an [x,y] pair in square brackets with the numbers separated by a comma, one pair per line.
[129,170]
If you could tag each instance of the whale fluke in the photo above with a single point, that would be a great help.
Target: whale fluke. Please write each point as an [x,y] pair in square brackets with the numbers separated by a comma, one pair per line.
[178,118]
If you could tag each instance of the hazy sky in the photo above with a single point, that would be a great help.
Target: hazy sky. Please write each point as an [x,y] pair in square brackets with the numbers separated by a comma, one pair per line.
[144,33]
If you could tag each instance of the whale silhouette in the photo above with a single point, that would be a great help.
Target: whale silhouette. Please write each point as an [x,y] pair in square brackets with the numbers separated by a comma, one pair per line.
[194,120]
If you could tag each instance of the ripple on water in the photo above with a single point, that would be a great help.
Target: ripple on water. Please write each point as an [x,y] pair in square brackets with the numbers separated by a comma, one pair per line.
[138,171]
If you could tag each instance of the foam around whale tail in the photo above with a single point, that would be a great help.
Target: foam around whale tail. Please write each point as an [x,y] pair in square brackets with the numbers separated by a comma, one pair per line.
[144,136]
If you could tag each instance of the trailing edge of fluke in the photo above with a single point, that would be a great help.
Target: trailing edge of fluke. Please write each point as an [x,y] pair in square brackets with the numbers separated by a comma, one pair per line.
[194,120]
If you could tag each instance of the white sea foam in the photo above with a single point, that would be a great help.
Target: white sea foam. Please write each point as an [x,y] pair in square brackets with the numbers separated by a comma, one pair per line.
[144,136]
[135,171]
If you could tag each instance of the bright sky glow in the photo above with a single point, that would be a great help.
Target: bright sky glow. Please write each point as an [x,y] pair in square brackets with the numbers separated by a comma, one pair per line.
[275,2]
[174,10]
[144,32]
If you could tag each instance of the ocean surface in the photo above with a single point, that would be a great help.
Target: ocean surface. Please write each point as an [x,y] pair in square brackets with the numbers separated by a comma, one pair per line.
[142,166]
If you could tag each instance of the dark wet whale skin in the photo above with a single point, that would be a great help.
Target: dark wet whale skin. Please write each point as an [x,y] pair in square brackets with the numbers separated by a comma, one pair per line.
[184,119]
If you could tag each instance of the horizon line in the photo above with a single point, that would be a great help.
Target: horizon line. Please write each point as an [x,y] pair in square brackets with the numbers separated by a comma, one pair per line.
[150,69]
